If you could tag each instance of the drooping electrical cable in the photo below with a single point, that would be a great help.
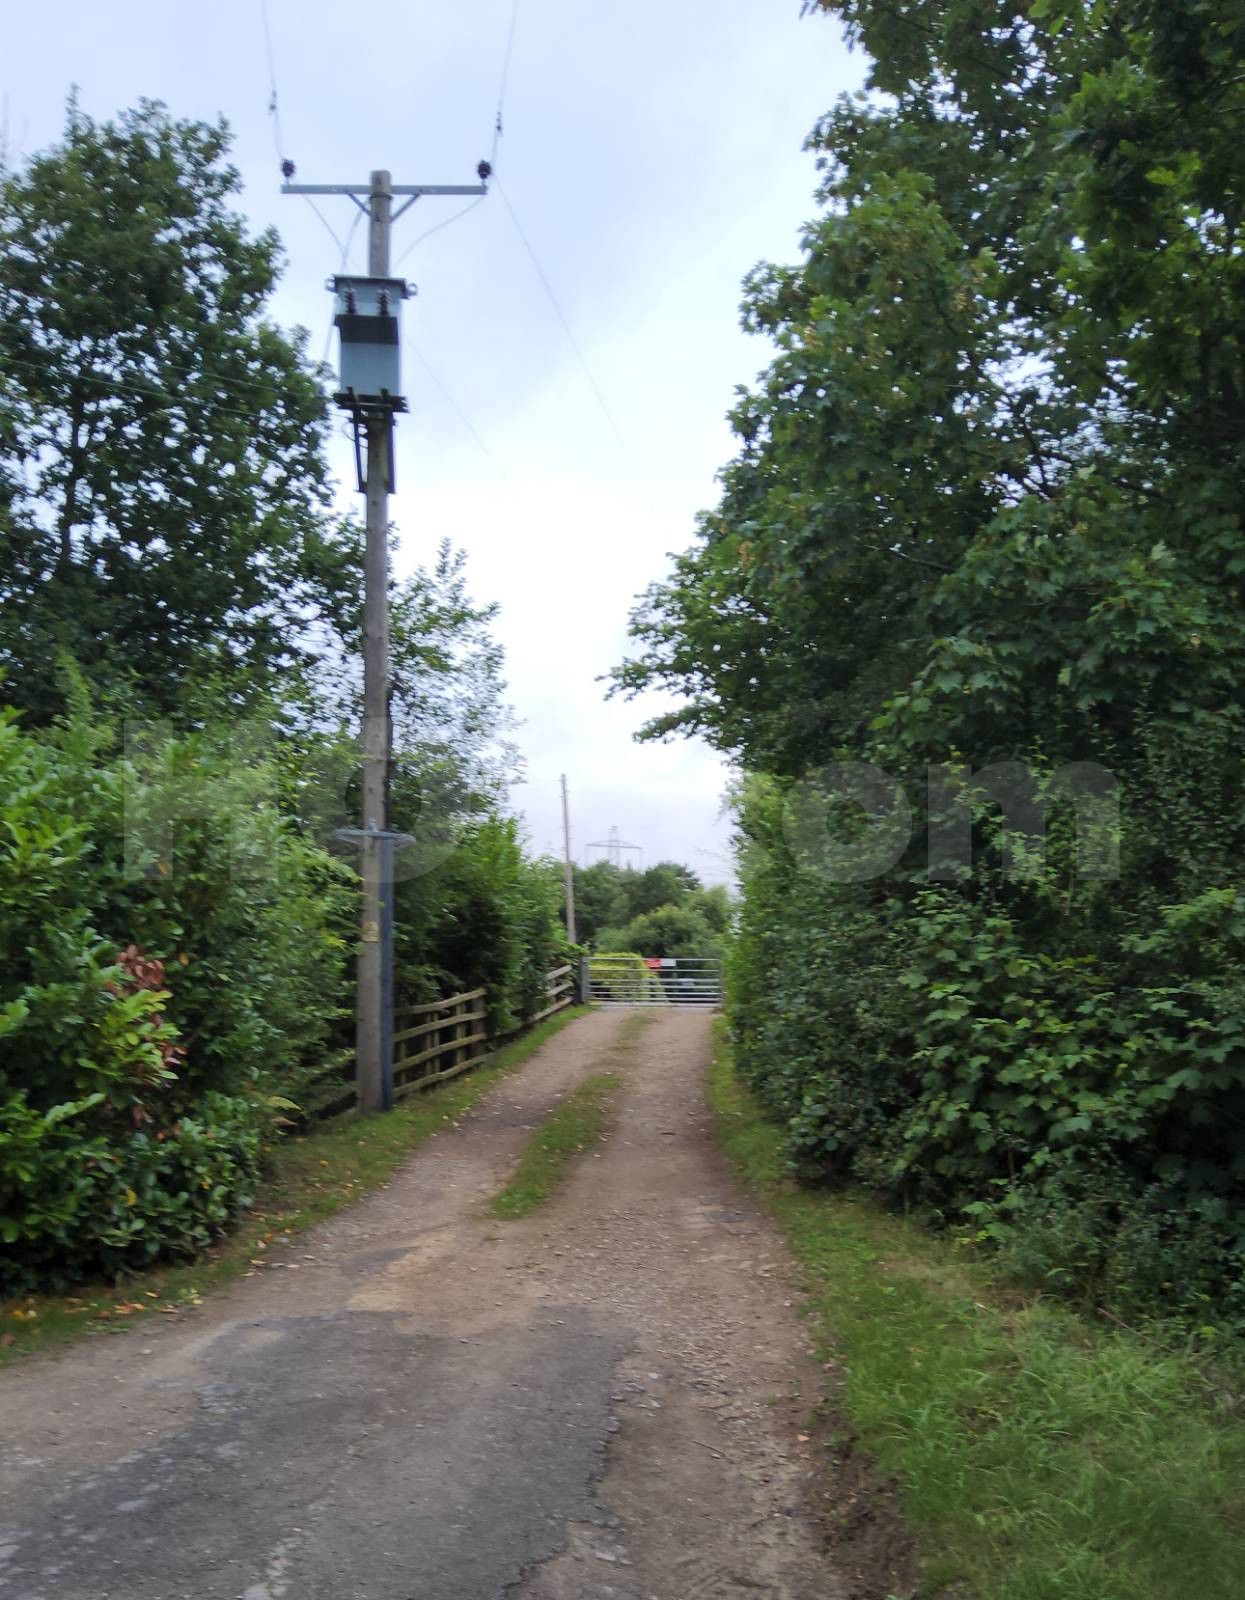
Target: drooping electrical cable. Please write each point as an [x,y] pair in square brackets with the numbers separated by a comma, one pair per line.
[445,223]
[332,231]
[454,406]
[345,262]
[497,132]
[278,138]
[350,233]
[274,108]
[560,314]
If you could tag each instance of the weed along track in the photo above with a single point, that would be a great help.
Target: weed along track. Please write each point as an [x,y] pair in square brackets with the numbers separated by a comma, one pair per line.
[575,1125]
[561,1139]
[608,1397]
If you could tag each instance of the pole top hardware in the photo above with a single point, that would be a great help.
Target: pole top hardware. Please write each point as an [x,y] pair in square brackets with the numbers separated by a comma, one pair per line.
[338,281]
[399,840]
[413,189]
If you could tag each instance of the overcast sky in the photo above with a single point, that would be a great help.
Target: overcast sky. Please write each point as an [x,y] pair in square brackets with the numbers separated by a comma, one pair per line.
[652,154]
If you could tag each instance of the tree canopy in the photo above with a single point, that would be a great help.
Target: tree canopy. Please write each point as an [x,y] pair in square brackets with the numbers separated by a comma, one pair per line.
[986,505]
[615,908]
[165,507]
[999,445]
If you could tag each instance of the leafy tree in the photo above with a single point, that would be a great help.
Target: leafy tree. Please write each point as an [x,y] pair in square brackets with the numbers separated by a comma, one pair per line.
[607,896]
[714,905]
[448,690]
[1001,422]
[164,513]
[665,884]
[987,505]
[599,901]
[667,930]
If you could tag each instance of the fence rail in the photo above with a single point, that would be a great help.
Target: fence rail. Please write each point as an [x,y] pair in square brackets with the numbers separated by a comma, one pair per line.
[441,1046]
[453,1036]
[560,990]
[437,1040]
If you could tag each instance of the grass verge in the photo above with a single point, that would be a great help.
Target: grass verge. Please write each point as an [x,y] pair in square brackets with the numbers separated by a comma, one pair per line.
[1037,1457]
[309,1178]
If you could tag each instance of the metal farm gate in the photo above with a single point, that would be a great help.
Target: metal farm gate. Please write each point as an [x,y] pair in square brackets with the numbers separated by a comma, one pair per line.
[632,980]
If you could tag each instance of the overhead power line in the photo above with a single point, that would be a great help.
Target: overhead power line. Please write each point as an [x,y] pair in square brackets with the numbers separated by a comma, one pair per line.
[505,77]
[332,231]
[447,222]
[278,138]
[559,313]
[454,405]
[274,109]
[345,262]
[428,232]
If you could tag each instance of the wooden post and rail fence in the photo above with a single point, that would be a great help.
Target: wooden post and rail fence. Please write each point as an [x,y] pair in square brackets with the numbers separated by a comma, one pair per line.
[439,1039]
[435,1041]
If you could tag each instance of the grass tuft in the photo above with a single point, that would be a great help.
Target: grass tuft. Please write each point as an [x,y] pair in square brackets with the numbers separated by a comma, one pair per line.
[309,1178]
[580,1120]
[1039,1457]
[565,1133]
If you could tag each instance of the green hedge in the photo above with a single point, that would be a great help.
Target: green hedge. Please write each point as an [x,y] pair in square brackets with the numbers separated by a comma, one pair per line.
[485,917]
[626,975]
[78,1199]
[1073,1093]
[152,1004]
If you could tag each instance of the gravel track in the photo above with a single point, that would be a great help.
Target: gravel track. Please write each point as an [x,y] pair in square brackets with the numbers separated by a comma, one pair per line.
[415,1401]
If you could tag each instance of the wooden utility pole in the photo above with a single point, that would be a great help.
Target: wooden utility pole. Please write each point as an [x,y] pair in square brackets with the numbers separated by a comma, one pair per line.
[374,1007]
[367,320]
[568,870]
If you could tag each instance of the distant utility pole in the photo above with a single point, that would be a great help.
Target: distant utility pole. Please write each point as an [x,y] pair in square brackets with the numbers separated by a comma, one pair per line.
[367,320]
[614,847]
[568,870]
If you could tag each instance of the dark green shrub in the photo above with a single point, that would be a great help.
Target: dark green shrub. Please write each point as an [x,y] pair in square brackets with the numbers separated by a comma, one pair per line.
[1070,1087]
[160,986]
[78,1199]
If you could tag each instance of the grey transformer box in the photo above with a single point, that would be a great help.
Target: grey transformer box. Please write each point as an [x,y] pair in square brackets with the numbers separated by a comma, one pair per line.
[368,312]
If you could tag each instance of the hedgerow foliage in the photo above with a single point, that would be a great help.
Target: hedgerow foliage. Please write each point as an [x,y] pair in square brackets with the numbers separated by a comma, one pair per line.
[987,506]
[175,958]
[178,976]
[487,917]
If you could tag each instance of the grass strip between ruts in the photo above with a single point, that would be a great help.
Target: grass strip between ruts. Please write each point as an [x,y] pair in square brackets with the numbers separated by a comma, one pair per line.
[568,1130]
